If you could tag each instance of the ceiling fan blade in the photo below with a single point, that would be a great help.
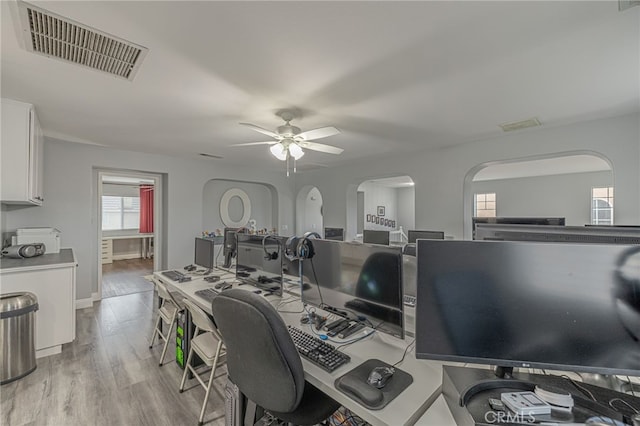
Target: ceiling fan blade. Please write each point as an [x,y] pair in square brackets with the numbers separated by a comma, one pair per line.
[261,130]
[322,132]
[314,146]
[255,143]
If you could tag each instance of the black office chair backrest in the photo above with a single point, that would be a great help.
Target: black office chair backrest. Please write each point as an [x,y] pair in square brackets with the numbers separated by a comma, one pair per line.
[261,358]
[377,280]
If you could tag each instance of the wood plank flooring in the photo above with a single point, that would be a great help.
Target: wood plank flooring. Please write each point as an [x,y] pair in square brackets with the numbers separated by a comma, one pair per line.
[126,277]
[109,376]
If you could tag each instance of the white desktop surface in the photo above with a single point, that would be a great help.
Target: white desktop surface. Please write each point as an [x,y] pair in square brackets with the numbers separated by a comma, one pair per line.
[408,408]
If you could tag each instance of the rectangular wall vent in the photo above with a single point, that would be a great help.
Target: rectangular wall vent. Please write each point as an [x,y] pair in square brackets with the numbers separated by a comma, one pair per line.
[519,125]
[58,37]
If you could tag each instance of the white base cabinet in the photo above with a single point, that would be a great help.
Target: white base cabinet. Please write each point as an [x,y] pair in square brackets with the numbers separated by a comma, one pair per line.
[55,287]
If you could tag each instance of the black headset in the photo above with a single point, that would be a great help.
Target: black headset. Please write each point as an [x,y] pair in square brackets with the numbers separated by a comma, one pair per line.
[273,255]
[304,249]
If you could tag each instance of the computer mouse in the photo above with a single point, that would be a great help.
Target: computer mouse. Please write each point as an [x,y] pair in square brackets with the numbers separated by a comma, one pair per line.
[379,376]
[220,285]
[323,336]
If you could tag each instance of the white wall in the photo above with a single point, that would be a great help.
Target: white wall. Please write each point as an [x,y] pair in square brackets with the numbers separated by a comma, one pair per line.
[406,208]
[260,196]
[70,186]
[567,196]
[378,195]
[439,174]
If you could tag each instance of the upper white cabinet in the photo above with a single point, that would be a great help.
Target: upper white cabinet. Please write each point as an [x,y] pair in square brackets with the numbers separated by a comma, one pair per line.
[20,154]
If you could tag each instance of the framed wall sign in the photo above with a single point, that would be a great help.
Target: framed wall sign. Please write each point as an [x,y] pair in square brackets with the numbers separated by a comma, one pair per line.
[380,210]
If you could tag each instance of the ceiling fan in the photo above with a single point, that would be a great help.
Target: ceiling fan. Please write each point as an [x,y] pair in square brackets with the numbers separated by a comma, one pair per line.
[289,140]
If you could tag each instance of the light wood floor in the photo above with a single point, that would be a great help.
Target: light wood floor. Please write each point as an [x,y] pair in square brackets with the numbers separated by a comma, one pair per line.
[126,277]
[109,376]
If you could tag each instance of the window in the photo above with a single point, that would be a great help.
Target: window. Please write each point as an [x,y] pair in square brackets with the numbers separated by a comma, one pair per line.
[602,205]
[120,213]
[485,205]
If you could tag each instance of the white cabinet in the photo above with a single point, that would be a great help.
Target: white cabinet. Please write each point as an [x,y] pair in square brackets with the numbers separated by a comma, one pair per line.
[52,278]
[21,149]
[107,251]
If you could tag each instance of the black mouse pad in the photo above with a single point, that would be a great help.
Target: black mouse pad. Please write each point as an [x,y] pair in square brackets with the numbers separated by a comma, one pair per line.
[394,387]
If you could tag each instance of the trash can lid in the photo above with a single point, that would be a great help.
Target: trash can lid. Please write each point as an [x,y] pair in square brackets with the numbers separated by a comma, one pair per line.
[10,302]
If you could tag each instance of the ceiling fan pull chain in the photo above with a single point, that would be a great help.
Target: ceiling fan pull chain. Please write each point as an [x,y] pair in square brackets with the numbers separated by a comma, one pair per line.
[287,164]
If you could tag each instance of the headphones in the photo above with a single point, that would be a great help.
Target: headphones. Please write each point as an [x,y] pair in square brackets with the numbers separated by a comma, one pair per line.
[300,248]
[273,255]
[304,249]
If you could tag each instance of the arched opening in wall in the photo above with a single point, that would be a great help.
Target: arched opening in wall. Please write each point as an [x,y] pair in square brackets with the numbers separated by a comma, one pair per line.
[576,186]
[386,204]
[309,214]
[235,204]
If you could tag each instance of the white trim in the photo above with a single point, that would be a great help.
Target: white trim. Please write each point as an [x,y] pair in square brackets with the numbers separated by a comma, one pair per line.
[84,303]
[126,256]
[53,350]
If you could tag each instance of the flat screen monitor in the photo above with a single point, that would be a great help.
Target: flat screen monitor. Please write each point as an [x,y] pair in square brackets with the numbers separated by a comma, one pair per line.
[353,280]
[375,237]
[204,253]
[555,234]
[561,306]
[550,221]
[229,245]
[259,261]
[413,235]
[334,234]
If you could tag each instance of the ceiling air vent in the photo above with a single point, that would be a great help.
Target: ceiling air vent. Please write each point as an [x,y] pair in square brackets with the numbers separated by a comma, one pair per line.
[519,125]
[55,36]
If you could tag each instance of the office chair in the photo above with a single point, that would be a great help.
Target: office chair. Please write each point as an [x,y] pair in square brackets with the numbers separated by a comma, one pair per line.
[168,313]
[263,362]
[207,345]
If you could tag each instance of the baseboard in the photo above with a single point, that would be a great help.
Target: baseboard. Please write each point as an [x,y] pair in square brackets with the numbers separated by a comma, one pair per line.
[41,353]
[126,256]
[84,303]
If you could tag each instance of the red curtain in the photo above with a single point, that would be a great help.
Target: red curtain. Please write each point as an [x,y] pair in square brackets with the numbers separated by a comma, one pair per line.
[146,209]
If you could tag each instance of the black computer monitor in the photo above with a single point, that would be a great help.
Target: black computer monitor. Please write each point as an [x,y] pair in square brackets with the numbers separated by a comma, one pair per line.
[555,234]
[336,234]
[375,237]
[413,235]
[204,253]
[547,221]
[563,306]
[355,280]
[259,261]
[229,245]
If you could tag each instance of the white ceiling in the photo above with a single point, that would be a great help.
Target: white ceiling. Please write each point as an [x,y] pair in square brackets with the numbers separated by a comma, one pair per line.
[394,77]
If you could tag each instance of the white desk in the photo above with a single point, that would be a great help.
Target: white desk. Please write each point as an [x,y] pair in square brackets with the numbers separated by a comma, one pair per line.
[145,250]
[408,408]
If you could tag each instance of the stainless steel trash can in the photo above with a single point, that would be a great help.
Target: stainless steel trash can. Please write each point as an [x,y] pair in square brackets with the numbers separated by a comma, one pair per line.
[17,323]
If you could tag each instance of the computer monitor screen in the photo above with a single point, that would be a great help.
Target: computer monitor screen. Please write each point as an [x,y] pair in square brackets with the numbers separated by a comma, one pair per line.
[204,253]
[259,261]
[563,306]
[555,234]
[413,235]
[550,221]
[229,245]
[375,237]
[353,280]
[334,234]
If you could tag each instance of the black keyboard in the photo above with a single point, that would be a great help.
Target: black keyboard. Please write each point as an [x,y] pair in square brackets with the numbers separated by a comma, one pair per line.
[175,276]
[207,294]
[317,351]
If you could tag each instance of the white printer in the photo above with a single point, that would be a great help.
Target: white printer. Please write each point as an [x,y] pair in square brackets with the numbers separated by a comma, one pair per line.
[50,237]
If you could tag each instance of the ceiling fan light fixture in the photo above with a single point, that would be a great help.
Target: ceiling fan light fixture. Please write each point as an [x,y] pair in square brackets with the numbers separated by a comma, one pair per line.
[279,151]
[295,151]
